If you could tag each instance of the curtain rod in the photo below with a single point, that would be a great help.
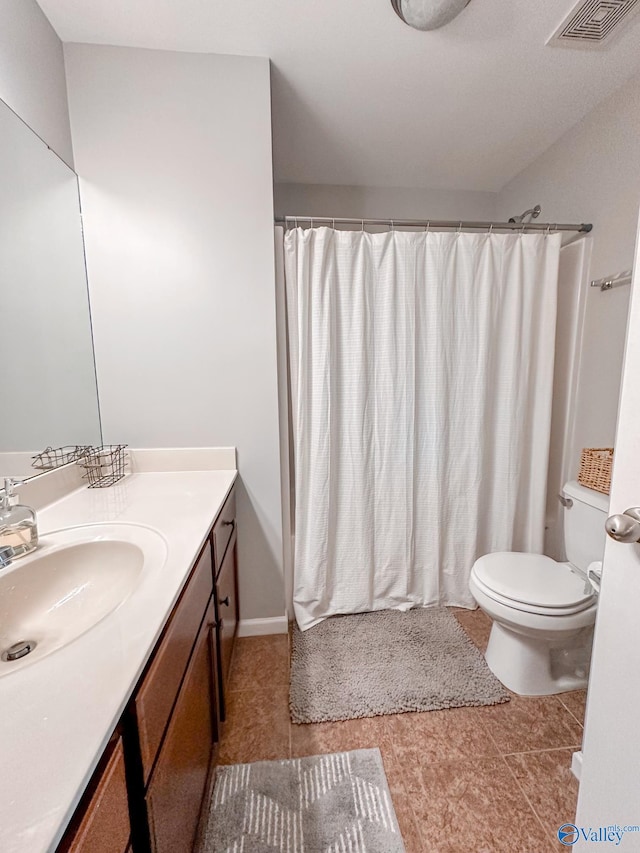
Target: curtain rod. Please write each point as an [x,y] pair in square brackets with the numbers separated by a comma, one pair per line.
[292,222]
[612,281]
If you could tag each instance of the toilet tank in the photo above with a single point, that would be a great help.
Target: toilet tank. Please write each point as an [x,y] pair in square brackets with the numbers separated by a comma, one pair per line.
[584,534]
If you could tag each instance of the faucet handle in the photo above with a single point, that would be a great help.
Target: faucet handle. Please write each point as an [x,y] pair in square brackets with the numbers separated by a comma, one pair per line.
[6,556]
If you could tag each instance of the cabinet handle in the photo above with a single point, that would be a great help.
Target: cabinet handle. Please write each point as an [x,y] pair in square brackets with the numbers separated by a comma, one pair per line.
[229,523]
[224,601]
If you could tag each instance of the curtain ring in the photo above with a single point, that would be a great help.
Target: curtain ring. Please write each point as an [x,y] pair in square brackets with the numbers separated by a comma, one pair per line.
[548,231]
[491,228]
[311,223]
[362,223]
[426,230]
[459,229]
[295,219]
[333,224]
[391,224]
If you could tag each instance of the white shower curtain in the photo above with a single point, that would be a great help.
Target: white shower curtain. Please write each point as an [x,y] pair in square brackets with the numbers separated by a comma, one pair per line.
[421,369]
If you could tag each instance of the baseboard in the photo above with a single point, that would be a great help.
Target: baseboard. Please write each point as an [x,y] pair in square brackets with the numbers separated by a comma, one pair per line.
[263,627]
[576,764]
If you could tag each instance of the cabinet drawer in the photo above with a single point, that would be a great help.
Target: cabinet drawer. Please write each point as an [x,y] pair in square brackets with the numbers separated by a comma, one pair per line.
[104,826]
[174,796]
[224,528]
[159,688]
[226,615]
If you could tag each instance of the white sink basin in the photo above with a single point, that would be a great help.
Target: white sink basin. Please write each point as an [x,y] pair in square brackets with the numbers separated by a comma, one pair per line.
[74,579]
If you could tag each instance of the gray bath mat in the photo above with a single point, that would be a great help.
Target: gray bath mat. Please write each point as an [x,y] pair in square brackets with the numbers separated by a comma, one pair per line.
[387,662]
[325,804]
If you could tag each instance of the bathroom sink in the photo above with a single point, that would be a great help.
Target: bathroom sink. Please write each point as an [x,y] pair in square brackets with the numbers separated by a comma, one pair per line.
[74,579]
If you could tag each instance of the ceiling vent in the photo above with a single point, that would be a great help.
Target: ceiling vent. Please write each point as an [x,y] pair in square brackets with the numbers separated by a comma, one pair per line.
[594,23]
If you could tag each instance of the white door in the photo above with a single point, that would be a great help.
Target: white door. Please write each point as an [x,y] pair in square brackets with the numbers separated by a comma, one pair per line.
[610,782]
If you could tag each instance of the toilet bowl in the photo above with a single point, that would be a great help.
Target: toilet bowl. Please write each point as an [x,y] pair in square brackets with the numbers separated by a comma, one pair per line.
[544,611]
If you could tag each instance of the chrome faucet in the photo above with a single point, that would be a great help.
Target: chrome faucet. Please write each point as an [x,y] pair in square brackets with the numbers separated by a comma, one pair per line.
[6,556]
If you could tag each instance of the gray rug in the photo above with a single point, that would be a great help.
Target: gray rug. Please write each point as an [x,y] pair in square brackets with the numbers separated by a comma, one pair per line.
[387,662]
[325,804]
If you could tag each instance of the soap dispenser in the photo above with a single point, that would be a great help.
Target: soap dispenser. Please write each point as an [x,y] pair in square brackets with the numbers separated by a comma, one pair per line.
[18,525]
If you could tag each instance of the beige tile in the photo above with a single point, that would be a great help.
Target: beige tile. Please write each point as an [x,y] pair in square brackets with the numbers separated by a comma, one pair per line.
[404,778]
[477,626]
[530,723]
[408,824]
[575,702]
[550,786]
[396,778]
[478,614]
[475,806]
[260,663]
[394,772]
[451,790]
[257,727]
[320,738]
[420,740]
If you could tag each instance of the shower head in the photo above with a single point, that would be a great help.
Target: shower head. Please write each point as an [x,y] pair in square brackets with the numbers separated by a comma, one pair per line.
[534,213]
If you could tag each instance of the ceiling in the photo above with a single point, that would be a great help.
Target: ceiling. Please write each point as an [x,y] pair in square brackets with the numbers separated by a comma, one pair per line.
[361,99]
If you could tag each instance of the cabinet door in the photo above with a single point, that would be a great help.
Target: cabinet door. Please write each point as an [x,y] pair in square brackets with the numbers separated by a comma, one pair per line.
[224,528]
[159,688]
[227,614]
[174,796]
[103,826]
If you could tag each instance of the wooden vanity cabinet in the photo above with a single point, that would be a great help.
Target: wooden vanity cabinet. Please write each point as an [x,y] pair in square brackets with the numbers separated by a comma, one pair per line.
[157,693]
[171,726]
[101,823]
[225,551]
[175,793]
[226,596]
[174,720]
[224,529]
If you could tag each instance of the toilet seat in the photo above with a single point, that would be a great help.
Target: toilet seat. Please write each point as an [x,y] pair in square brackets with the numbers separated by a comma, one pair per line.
[533,583]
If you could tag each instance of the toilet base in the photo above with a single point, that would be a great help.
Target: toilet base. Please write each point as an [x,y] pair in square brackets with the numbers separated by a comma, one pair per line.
[537,665]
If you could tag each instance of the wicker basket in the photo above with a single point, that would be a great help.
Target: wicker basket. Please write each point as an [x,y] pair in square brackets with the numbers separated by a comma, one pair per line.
[595,468]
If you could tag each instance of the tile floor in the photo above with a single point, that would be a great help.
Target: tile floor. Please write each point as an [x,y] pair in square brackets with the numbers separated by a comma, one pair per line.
[467,780]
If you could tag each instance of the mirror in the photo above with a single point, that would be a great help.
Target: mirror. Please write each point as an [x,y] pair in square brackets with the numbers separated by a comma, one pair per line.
[48,391]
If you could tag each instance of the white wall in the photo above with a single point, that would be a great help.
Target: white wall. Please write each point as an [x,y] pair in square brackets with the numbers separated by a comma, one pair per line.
[382,202]
[32,79]
[592,174]
[174,156]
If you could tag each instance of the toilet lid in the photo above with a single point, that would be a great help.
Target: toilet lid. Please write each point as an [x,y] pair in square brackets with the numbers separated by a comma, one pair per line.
[533,579]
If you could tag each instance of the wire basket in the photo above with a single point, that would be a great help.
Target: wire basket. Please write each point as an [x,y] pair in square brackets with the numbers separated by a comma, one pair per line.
[104,465]
[54,457]
[595,468]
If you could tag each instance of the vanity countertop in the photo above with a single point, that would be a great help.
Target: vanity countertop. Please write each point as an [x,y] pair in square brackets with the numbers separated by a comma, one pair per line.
[56,715]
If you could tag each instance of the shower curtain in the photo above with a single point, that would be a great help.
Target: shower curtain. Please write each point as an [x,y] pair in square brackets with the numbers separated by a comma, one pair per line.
[421,372]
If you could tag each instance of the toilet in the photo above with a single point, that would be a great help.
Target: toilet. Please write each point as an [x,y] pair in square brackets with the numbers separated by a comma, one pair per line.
[544,611]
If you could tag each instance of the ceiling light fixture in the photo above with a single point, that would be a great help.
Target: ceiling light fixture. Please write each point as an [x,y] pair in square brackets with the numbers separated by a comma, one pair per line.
[428,14]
